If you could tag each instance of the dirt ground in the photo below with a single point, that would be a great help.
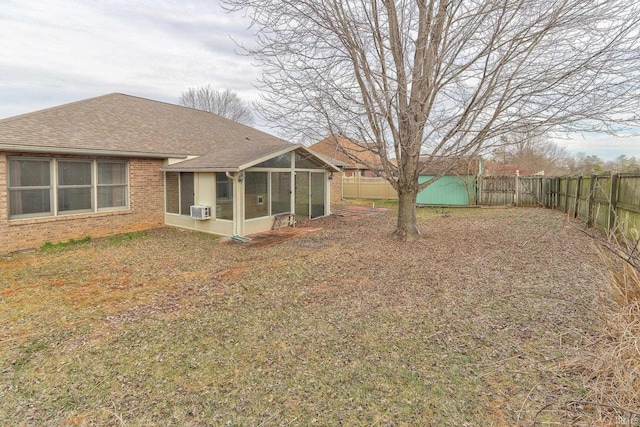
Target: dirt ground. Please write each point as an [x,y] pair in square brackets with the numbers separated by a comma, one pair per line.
[334,322]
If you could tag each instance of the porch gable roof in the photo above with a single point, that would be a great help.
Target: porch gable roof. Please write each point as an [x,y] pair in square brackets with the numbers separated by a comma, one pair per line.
[230,160]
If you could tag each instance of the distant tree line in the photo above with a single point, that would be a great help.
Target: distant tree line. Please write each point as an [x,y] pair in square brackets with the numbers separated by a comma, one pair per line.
[540,155]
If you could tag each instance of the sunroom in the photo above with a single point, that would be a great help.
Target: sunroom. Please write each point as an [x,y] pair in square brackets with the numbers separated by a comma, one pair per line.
[234,194]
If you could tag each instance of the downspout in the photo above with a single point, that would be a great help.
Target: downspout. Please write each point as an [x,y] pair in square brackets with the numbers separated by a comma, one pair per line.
[233,201]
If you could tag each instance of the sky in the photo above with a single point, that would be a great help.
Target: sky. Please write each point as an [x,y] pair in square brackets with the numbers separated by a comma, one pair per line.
[57,51]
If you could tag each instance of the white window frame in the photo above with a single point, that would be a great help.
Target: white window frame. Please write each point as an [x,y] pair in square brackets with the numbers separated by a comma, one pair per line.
[90,186]
[50,187]
[98,185]
[54,187]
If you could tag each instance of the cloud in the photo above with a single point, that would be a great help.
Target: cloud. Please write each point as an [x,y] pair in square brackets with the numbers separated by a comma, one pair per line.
[59,51]
[605,146]
[145,48]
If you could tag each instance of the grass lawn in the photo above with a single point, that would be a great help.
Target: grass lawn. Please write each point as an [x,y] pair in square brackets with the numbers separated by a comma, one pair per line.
[341,326]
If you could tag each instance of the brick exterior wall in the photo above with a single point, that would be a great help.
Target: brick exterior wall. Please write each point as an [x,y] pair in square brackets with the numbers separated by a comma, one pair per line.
[146,211]
[336,187]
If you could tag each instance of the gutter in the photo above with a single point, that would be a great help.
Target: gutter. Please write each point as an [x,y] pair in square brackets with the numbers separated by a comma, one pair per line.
[84,151]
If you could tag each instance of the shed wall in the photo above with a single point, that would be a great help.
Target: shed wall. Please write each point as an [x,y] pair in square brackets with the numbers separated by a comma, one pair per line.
[448,190]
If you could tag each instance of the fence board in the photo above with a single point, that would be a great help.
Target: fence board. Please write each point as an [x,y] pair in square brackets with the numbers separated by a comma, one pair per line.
[497,190]
[628,205]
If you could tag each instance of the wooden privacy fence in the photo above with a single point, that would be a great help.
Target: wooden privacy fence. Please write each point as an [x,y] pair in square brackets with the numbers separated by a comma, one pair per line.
[512,190]
[609,202]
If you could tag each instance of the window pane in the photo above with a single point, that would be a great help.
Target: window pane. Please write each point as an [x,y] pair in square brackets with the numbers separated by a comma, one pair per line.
[74,173]
[224,196]
[281,161]
[24,202]
[74,199]
[255,195]
[112,173]
[317,194]
[112,197]
[306,161]
[302,194]
[280,192]
[186,192]
[29,173]
[172,199]
[224,187]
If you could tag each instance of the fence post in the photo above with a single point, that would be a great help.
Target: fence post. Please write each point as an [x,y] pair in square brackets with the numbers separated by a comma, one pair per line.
[577,204]
[592,187]
[566,196]
[517,194]
[613,201]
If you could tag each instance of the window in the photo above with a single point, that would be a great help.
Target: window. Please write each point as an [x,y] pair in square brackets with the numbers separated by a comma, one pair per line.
[280,192]
[112,185]
[281,161]
[30,188]
[45,187]
[224,187]
[179,192]
[224,196]
[187,190]
[172,192]
[255,195]
[306,161]
[75,186]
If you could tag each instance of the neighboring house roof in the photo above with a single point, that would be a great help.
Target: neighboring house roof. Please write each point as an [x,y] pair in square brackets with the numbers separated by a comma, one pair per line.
[497,168]
[335,162]
[450,165]
[353,155]
[124,125]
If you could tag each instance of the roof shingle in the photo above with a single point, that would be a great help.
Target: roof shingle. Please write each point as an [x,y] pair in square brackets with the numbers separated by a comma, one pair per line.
[130,126]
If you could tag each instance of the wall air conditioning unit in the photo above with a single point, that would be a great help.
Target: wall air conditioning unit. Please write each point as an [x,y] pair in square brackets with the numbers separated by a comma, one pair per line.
[200,212]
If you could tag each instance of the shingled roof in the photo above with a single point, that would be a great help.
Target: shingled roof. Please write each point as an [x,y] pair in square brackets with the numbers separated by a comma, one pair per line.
[351,154]
[123,125]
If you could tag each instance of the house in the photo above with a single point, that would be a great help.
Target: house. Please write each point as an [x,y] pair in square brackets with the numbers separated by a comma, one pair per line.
[118,163]
[355,158]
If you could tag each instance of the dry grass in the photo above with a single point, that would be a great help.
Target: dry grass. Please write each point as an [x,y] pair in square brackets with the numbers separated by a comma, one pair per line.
[611,362]
[342,326]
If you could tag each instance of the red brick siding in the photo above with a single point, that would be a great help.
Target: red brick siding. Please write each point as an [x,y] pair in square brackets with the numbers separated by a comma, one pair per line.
[146,210]
[336,187]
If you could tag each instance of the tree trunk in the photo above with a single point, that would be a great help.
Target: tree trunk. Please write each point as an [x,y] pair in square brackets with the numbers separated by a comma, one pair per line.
[406,227]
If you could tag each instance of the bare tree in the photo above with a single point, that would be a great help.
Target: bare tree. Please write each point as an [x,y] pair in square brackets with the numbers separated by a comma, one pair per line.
[443,77]
[224,103]
[535,154]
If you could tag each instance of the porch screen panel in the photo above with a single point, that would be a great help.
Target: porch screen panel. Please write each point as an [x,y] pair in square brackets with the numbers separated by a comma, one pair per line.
[112,185]
[302,194]
[256,201]
[306,161]
[29,187]
[281,161]
[280,192]
[317,194]
[224,196]
[187,189]
[172,196]
[75,186]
